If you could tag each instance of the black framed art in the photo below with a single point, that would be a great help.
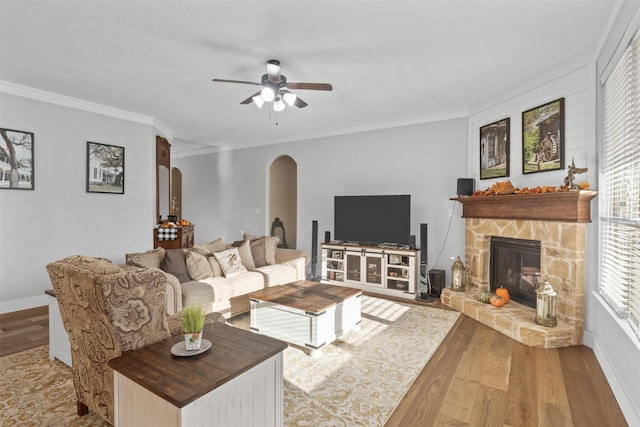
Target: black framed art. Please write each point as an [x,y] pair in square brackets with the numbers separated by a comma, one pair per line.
[16,160]
[105,168]
[543,138]
[494,149]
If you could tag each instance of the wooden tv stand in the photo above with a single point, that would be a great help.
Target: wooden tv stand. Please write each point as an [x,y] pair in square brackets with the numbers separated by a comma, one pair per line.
[383,269]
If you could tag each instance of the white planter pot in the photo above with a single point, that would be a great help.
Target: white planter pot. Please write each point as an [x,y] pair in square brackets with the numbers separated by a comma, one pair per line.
[193,341]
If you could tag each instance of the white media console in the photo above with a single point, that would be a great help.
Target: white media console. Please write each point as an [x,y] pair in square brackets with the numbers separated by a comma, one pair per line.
[383,269]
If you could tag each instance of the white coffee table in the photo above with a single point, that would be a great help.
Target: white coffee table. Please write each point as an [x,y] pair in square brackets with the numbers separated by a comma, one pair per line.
[308,314]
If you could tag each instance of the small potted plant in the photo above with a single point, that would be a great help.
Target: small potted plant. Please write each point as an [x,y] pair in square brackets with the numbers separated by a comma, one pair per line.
[192,325]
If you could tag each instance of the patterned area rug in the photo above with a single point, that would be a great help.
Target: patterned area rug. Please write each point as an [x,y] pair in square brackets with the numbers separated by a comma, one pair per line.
[358,381]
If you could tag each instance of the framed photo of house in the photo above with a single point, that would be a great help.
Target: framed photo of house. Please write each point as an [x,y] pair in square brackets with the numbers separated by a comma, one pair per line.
[543,138]
[16,160]
[494,149]
[105,168]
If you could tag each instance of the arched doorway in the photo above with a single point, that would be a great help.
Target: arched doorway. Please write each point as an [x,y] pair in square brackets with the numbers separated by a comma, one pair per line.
[283,197]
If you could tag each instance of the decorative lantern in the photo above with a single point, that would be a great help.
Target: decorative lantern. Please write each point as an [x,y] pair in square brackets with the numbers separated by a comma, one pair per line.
[546,302]
[458,278]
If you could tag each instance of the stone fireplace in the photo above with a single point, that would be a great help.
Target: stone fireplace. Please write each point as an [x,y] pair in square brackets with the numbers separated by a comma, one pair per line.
[558,222]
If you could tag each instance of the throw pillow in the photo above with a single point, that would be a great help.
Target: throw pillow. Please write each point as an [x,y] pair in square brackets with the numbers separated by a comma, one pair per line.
[136,304]
[174,262]
[244,250]
[213,262]
[230,262]
[270,245]
[149,259]
[258,249]
[214,246]
[198,266]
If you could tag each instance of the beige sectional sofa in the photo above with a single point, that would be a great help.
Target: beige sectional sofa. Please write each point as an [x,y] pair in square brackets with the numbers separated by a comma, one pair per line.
[219,276]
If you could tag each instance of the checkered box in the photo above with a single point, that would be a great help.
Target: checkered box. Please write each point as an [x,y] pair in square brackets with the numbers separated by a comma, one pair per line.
[167,233]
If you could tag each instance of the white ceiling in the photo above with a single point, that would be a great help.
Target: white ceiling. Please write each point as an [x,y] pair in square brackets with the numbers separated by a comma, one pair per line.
[390,62]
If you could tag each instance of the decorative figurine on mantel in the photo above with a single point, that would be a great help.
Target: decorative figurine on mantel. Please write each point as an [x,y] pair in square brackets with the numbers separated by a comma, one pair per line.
[573,170]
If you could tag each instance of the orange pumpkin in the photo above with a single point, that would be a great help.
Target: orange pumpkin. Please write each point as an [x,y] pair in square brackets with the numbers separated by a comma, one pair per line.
[504,293]
[497,301]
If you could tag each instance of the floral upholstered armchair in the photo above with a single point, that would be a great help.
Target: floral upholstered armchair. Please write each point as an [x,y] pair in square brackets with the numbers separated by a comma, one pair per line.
[107,311]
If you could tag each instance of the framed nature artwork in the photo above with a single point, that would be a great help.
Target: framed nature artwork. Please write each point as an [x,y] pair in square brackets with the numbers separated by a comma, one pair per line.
[543,138]
[494,149]
[16,160]
[105,168]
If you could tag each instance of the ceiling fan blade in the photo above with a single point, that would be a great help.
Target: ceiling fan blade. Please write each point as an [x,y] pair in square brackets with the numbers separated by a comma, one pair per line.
[249,100]
[310,86]
[299,103]
[236,81]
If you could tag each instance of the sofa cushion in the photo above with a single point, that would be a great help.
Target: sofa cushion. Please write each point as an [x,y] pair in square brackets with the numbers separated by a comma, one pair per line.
[150,259]
[244,250]
[244,283]
[198,266]
[206,291]
[174,262]
[136,304]
[211,291]
[278,274]
[230,262]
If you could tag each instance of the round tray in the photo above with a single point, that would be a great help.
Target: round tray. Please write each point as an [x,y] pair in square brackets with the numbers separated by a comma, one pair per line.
[180,350]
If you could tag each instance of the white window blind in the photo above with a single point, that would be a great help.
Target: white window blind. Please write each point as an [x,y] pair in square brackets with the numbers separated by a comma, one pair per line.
[620,188]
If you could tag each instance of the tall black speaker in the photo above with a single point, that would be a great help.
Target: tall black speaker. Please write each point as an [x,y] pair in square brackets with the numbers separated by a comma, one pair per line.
[423,248]
[314,249]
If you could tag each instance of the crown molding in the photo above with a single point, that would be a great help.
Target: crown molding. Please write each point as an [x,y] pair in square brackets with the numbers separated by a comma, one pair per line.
[80,104]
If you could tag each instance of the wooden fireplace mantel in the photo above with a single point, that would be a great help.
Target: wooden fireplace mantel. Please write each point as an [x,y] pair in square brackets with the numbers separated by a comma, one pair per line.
[564,206]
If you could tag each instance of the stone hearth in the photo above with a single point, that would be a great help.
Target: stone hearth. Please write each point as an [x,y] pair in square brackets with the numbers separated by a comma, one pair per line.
[562,258]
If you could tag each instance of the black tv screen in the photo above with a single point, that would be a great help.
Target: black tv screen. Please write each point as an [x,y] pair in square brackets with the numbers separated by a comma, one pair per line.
[373,219]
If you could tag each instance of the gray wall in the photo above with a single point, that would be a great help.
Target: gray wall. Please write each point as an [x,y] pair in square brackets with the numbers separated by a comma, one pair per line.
[227,192]
[59,218]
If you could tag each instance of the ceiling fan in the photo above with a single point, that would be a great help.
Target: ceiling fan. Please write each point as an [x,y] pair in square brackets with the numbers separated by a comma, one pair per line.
[276,88]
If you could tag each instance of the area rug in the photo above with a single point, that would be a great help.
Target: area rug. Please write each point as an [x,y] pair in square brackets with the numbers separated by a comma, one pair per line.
[358,381]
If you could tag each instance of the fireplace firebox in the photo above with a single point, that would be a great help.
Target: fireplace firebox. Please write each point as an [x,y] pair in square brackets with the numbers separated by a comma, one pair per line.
[515,265]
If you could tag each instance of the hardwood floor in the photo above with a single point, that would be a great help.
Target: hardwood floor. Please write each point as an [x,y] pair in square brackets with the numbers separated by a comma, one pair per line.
[477,377]
[23,330]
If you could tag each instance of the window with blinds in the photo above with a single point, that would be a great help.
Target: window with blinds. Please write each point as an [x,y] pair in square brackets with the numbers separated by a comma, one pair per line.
[620,188]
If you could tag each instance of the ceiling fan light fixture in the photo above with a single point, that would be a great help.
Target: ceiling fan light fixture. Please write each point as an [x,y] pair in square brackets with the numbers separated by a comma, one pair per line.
[258,100]
[273,67]
[267,94]
[278,105]
[289,98]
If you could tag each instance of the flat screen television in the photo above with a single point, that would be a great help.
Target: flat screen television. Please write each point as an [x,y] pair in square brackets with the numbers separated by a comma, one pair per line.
[373,219]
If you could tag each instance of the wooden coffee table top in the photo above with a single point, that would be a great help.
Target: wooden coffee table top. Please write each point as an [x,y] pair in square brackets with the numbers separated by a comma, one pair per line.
[305,295]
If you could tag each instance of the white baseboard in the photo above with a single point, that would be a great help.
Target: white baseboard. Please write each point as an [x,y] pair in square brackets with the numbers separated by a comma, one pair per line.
[23,304]
[626,404]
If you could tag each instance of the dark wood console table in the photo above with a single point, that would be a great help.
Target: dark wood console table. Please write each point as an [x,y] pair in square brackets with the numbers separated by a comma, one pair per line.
[153,387]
